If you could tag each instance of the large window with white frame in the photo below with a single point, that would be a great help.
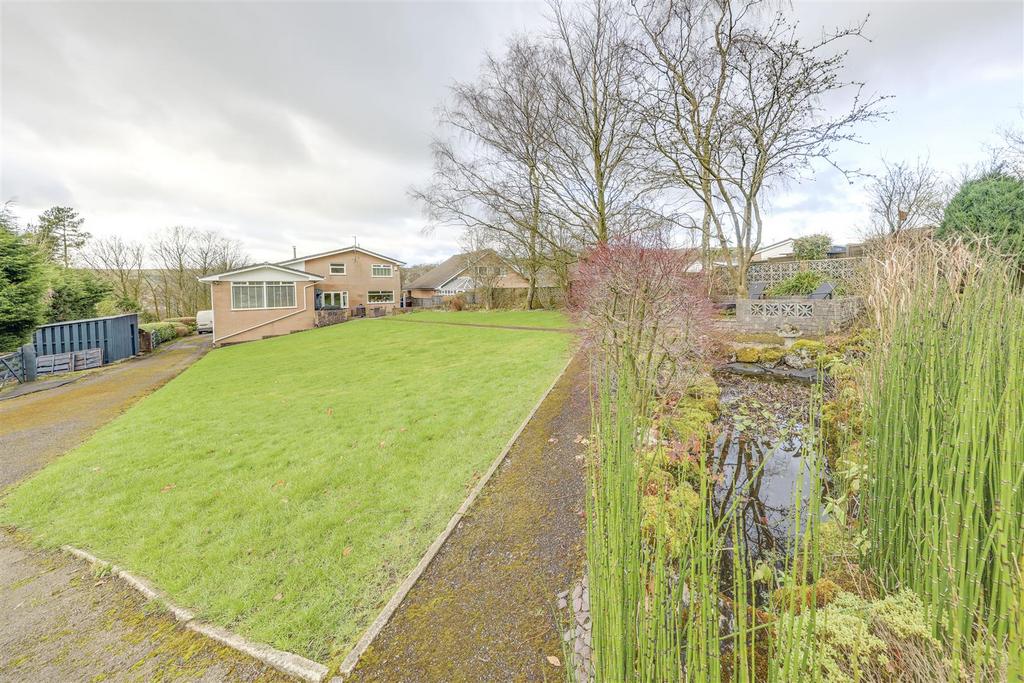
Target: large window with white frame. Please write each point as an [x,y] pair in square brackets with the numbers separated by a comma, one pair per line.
[272,294]
[380,297]
[381,270]
[337,269]
[335,299]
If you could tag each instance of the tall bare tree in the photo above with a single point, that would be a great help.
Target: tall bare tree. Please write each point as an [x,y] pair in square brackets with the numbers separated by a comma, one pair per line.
[905,196]
[489,173]
[1009,154]
[735,109]
[595,170]
[182,254]
[119,262]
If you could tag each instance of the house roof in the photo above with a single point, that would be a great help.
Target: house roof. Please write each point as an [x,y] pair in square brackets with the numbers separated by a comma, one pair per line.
[340,251]
[448,269]
[272,266]
[788,240]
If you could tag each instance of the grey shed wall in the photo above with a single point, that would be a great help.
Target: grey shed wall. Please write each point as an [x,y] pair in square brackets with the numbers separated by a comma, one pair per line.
[117,335]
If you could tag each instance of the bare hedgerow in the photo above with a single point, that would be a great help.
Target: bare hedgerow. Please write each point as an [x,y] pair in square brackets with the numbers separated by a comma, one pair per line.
[645,311]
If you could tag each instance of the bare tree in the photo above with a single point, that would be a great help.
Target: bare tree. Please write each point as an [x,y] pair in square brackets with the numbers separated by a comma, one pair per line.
[735,110]
[488,176]
[906,196]
[181,255]
[119,262]
[1010,153]
[595,168]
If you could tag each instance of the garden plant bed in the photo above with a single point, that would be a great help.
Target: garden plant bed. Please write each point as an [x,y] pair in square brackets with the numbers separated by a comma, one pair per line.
[283,488]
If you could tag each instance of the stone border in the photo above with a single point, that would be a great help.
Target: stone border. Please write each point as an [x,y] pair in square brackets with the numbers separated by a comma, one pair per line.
[350,661]
[286,662]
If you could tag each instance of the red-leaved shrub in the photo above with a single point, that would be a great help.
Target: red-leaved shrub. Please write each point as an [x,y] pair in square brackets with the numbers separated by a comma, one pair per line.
[644,307]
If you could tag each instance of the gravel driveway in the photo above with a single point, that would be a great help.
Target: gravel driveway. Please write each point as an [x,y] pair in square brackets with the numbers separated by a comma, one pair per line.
[60,622]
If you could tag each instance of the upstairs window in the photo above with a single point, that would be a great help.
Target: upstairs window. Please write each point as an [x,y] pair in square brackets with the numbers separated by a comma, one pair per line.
[380,270]
[337,269]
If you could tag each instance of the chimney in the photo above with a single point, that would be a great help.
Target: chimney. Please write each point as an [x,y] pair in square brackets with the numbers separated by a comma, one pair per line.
[295,254]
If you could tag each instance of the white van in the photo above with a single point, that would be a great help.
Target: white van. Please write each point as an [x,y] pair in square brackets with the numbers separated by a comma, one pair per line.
[204,322]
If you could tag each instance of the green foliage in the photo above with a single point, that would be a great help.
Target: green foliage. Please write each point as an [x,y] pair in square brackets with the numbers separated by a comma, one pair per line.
[942,492]
[674,515]
[22,283]
[74,295]
[991,206]
[855,639]
[161,332]
[801,284]
[59,234]
[114,305]
[811,247]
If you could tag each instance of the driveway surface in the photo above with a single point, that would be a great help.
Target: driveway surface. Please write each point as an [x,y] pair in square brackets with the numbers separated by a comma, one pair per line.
[484,610]
[60,621]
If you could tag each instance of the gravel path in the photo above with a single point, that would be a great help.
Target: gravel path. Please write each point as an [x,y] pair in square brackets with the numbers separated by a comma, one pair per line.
[60,622]
[485,608]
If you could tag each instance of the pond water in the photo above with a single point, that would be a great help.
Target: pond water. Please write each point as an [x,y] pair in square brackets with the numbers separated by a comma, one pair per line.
[757,461]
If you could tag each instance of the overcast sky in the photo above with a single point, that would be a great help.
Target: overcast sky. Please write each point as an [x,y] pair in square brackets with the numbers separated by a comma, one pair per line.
[305,124]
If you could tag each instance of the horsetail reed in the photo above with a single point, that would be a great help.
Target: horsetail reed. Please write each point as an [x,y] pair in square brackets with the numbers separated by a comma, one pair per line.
[943,500]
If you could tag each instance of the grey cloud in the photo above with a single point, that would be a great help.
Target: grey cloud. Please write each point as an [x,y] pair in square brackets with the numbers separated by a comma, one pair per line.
[305,123]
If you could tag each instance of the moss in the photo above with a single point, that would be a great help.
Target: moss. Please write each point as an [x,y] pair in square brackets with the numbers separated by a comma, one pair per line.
[748,354]
[673,515]
[707,392]
[857,639]
[771,355]
[820,593]
[808,348]
[835,542]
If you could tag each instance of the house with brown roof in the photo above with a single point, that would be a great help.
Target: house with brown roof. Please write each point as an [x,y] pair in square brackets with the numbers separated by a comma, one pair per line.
[270,299]
[463,273]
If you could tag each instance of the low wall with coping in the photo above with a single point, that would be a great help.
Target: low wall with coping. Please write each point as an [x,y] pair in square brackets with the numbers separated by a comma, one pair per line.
[810,316]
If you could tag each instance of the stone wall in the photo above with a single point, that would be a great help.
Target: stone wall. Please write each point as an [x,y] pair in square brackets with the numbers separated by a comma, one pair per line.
[834,269]
[810,316]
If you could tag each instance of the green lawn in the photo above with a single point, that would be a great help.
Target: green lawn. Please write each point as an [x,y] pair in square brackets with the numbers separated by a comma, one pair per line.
[284,488]
[538,318]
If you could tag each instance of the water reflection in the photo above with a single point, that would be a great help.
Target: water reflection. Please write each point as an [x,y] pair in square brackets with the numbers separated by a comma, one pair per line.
[760,474]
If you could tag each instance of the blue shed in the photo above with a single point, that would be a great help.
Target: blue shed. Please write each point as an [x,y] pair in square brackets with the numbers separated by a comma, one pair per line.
[117,335]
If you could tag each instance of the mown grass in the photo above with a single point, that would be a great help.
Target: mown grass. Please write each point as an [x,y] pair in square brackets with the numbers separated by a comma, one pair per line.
[539,318]
[283,488]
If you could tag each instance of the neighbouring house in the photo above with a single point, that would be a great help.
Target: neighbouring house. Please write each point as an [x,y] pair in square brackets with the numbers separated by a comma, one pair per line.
[461,274]
[270,299]
[783,251]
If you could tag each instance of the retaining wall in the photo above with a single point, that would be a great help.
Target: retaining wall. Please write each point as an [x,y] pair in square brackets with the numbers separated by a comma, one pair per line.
[810,316]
